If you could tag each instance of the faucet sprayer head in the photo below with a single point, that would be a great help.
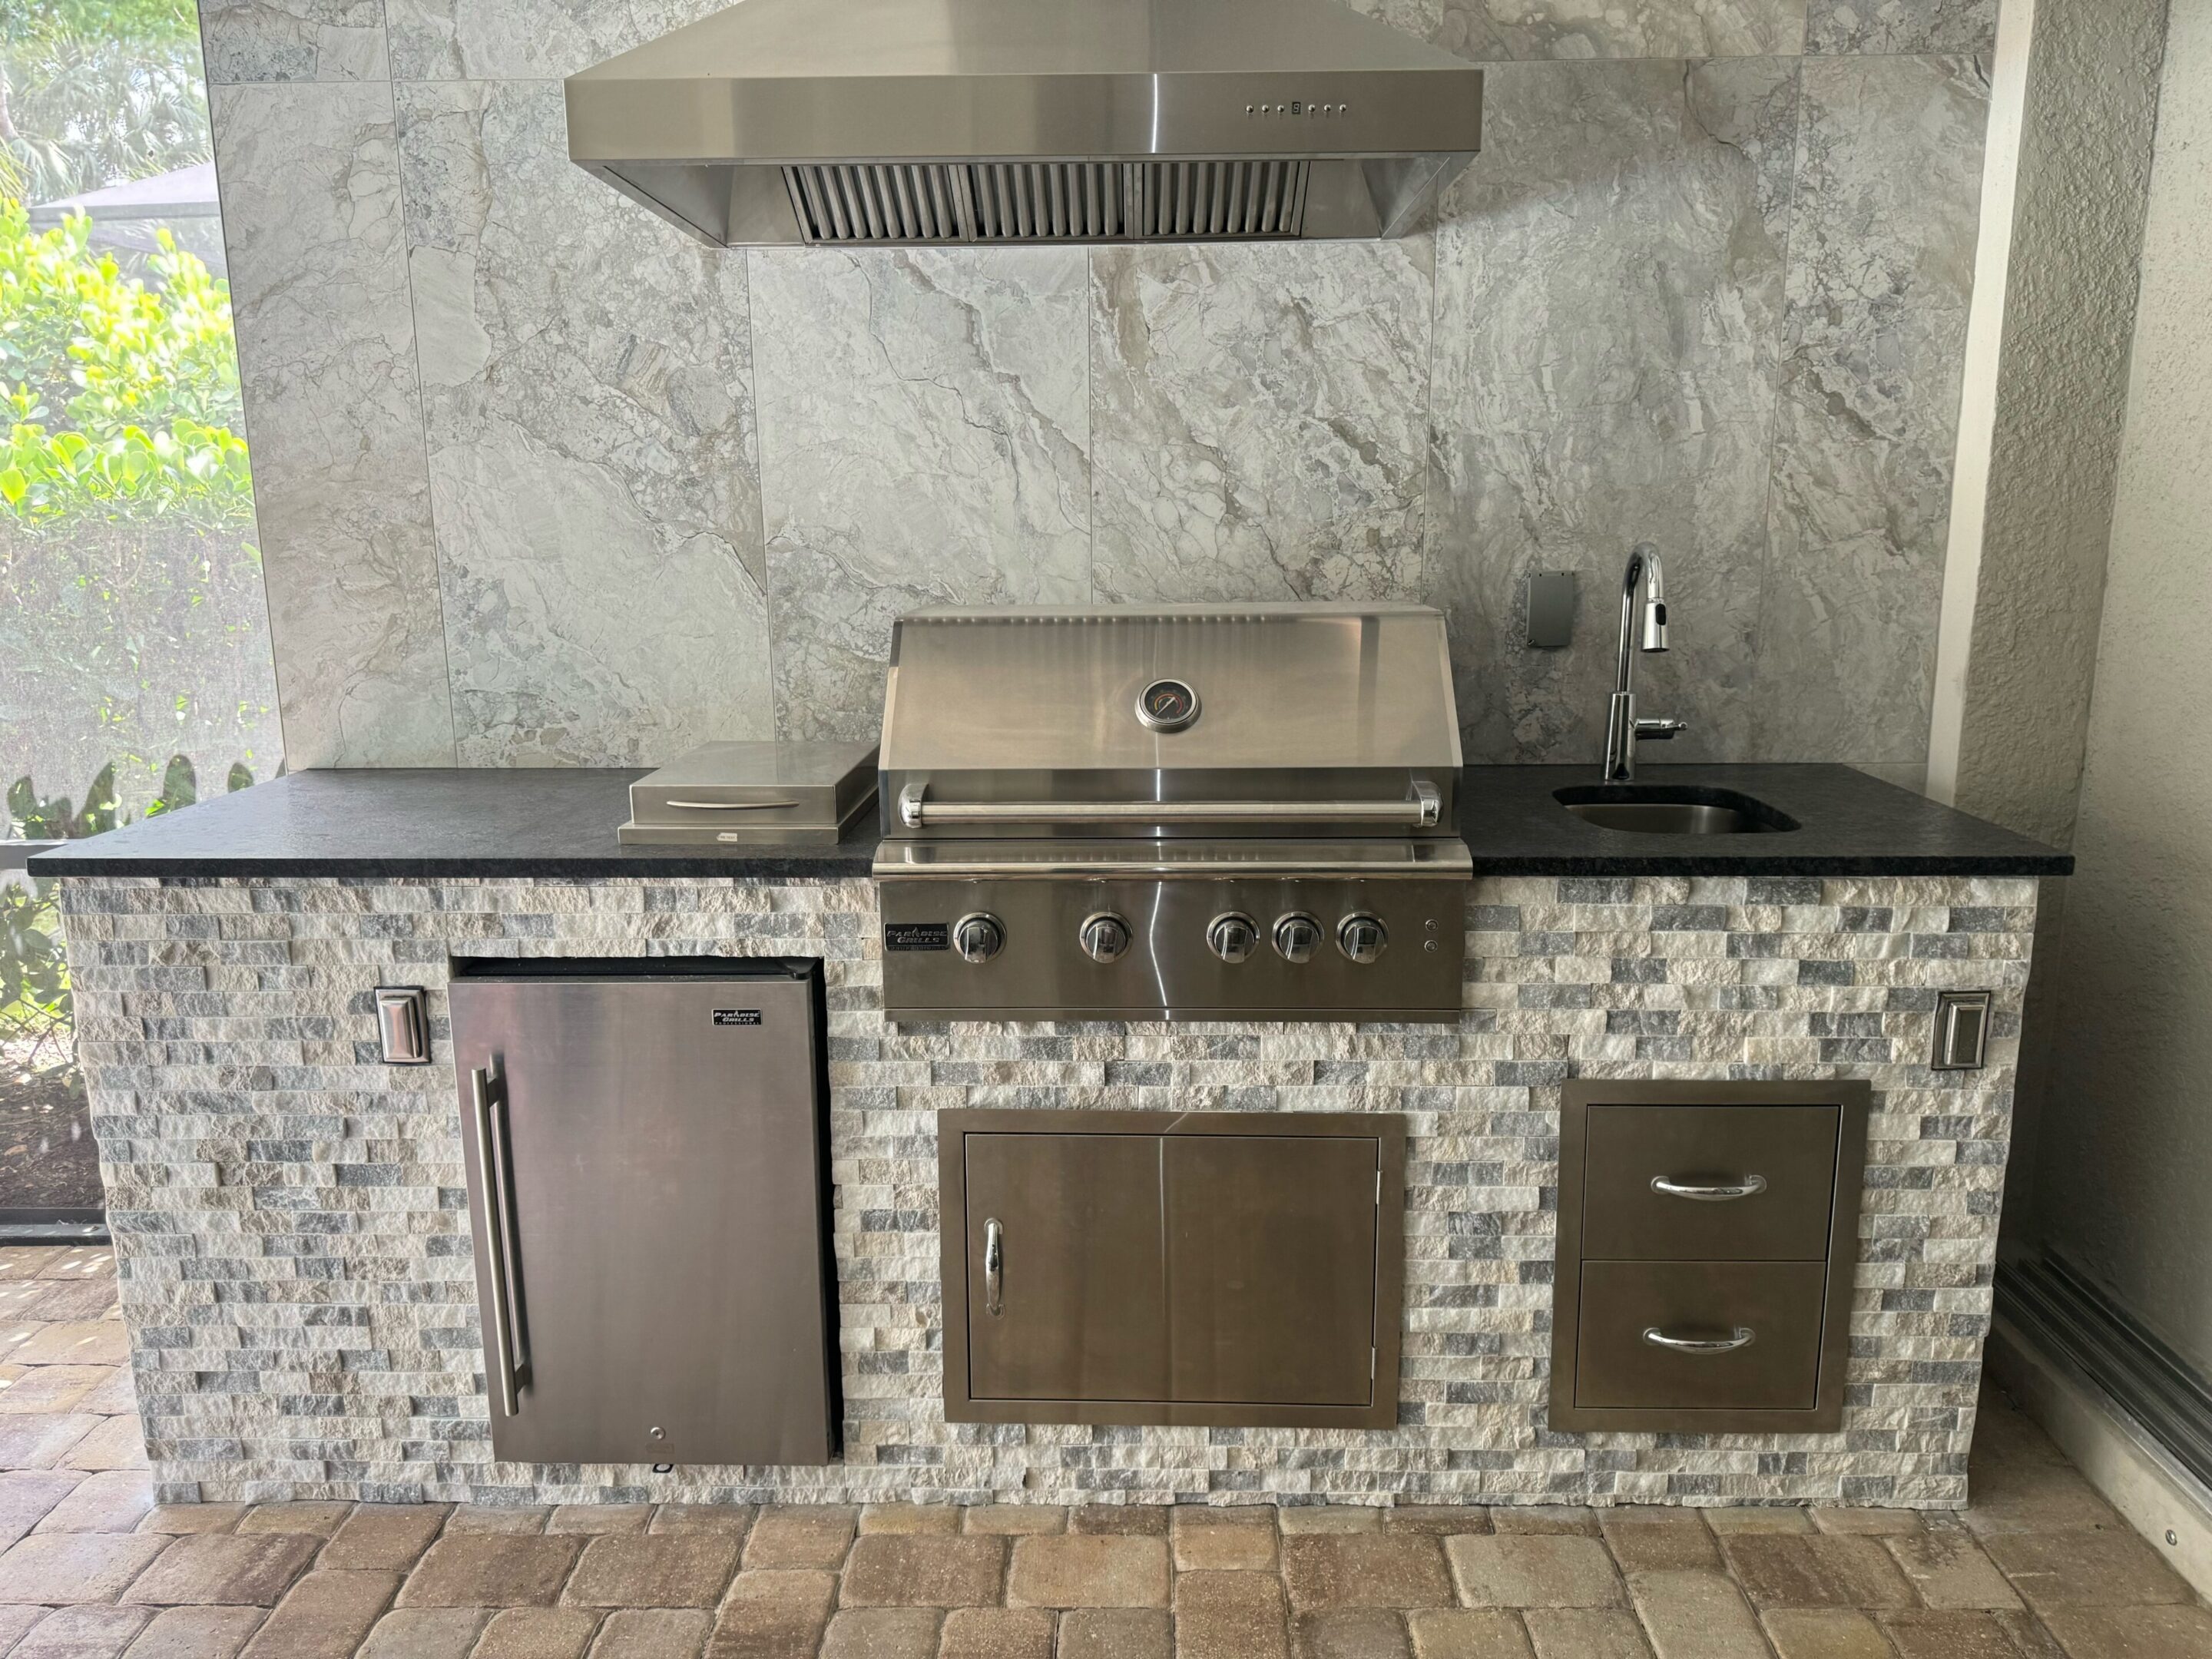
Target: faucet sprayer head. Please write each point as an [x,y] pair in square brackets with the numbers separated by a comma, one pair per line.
[1645,560]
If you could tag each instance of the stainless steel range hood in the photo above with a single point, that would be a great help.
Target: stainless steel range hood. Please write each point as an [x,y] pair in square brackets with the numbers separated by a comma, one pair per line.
[952,122]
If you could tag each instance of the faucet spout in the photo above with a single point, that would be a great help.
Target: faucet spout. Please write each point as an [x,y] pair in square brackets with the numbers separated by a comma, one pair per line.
[1645,577]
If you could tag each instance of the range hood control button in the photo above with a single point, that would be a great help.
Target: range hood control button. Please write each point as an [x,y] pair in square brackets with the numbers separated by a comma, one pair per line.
[1297,936]
[1361,937]
[979,936]
[1104,937]
[1232,936]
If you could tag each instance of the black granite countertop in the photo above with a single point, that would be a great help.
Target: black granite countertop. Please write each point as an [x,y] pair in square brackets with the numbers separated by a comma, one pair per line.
[1850,823]
[534,822]
[526,821]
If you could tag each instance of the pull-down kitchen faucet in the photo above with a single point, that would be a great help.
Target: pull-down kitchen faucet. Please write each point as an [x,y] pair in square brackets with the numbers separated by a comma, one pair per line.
[1622,728]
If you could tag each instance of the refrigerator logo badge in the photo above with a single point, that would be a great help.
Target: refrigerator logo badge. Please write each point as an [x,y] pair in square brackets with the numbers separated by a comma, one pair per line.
[737,1016]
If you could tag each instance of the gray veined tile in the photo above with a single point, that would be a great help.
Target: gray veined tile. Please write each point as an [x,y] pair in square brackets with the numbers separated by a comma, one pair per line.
[1881,271]
[1880,25]
[1257,419]
[250,40]
[587,384]
[1487,30]
[523,39]
[310,179]
[924,440]
[1609,292]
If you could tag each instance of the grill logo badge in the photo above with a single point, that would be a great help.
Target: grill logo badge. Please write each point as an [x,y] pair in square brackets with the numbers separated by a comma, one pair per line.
[917,936]
[1167,705]
[737,1016]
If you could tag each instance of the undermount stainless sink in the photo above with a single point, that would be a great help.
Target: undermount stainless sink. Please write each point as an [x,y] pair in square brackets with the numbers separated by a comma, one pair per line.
[1673,810]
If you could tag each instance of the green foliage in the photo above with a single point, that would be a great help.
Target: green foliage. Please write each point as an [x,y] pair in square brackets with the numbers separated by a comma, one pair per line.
[96,92]
[139,22]
[120,396]
[33,816]
[38,817]
[34,987]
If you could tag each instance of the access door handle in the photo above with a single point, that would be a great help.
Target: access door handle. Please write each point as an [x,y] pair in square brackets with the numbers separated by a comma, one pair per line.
[1710,1192]
[1742,1337]
[488,1097]
[994,1267]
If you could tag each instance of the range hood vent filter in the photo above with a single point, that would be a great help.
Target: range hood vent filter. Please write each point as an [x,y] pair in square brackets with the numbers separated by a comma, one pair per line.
[840,204]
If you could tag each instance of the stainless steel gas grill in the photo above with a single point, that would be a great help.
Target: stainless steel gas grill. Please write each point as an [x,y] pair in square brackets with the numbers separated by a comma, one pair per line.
[1178,812]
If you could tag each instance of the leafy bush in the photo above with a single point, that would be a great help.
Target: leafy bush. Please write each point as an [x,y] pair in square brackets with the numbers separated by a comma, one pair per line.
[33,816]
[35,1005]
[120,396]
[34,988]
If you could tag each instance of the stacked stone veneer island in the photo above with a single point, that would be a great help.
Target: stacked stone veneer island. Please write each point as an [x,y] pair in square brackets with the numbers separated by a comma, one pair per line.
[292,1240]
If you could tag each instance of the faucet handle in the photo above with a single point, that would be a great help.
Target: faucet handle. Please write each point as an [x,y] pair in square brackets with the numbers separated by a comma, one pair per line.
[1651,731]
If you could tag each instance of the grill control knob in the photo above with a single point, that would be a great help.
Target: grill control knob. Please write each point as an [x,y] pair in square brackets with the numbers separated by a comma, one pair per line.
[979,936]
[1104,937]
[1232,937]
[1297,936]
[1361,937]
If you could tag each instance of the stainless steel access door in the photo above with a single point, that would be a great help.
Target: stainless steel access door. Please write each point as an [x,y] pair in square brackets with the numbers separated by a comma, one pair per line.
[651,1248]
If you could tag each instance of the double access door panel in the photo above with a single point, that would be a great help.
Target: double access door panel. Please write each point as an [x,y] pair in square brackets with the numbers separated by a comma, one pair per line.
[1172,1267]
[646,1143]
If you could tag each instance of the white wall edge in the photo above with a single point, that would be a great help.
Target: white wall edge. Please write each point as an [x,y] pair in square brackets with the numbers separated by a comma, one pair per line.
[2115,1454]
[1978,400]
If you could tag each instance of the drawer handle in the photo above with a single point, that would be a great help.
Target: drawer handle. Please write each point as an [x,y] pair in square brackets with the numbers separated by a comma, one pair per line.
[1709,1192]
[1742,1337]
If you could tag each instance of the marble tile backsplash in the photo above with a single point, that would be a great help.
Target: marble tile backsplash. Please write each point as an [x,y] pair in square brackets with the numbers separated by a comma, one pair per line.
[544,482]
[925,440]
[319,282]
[587,390]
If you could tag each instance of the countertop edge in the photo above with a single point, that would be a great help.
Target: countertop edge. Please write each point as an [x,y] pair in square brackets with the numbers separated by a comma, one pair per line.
[736,868]
[1692,864]
[740,868]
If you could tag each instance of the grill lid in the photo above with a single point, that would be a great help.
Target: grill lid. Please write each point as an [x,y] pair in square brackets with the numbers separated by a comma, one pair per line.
[1187,719]
[965,121]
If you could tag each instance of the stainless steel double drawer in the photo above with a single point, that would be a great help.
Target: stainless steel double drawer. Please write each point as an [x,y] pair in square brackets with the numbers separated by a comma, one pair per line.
[1707,1234]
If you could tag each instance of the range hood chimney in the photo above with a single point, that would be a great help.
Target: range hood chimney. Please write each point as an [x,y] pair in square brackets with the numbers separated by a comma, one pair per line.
[892,123]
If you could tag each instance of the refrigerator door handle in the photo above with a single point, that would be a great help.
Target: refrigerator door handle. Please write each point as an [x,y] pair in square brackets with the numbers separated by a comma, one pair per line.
[994,1267]
[488,1094]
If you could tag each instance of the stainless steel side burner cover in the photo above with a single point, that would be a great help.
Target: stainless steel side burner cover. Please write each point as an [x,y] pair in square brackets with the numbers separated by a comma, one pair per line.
[753,794]
[1179,811]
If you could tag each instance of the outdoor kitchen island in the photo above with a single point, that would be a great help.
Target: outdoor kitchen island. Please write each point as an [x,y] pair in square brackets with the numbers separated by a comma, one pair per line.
[292,1233]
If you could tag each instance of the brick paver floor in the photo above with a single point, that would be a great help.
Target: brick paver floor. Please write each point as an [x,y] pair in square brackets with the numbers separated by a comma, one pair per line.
[2040,1568]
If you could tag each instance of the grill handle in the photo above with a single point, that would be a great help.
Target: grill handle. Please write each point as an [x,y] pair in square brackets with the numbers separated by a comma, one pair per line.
[1422,808]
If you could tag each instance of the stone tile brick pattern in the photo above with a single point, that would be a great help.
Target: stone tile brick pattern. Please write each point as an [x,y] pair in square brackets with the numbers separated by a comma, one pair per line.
[294,1249]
